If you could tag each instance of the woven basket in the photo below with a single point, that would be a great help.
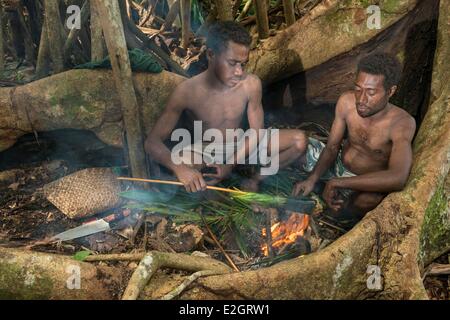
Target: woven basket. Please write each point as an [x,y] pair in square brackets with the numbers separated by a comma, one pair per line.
[84,193]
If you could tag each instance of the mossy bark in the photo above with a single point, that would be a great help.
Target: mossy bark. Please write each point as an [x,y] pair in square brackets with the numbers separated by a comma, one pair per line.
[26,275]
[64,101]
[435,235]
[306,43]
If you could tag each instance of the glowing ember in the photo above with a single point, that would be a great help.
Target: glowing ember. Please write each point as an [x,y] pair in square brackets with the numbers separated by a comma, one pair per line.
[286,232]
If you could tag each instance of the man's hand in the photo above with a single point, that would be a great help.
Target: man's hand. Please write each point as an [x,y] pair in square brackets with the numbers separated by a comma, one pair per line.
[222,171]
[330,195]
[191,179]
[303,187]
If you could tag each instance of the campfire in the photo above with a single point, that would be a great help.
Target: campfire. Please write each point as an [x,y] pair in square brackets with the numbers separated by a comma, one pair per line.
[285,234]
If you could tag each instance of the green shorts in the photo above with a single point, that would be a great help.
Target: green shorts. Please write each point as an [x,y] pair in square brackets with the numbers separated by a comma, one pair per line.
[338,170]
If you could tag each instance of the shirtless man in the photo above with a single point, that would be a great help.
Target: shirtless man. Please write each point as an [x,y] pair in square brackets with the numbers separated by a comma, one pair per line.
[219,97]
[376,158]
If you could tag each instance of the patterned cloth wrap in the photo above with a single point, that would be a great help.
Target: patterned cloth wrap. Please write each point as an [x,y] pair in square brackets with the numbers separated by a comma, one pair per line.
[315,147]
[218,153]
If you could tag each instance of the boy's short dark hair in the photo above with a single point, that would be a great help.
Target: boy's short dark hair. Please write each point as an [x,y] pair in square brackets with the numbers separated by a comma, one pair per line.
[382,64]
[223,31]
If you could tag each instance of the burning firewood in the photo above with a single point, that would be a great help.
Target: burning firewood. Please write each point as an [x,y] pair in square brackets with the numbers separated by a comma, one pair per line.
[286,233]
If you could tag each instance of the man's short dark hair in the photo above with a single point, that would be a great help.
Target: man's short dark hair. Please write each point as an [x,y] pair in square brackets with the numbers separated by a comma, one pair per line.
[382,64]
[223,31]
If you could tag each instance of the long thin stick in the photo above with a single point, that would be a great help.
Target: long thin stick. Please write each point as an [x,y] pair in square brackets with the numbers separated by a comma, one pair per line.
[332,226]
[269,233]
[218,243]
[176,183]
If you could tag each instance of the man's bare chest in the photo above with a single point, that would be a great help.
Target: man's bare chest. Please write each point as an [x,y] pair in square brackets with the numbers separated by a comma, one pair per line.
[371,139]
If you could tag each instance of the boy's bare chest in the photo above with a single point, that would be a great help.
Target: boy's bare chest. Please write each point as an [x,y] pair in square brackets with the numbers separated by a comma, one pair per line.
[219,110]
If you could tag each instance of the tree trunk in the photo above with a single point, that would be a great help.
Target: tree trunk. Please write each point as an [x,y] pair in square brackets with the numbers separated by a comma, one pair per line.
[289,14]
[33,8]
[185,10]
[27,38]
[64,101]
[2,36]
[43,61]
[262,19]
[224,9]
[307,43]
[15,32]
[53,28]
[98,46]
[112,26]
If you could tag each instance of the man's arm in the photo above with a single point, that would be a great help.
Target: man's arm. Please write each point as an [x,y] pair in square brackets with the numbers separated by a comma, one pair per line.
[331,150]
[400,161]
[154,145]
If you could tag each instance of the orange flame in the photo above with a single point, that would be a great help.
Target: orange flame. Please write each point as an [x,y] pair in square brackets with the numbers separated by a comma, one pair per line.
[286,232]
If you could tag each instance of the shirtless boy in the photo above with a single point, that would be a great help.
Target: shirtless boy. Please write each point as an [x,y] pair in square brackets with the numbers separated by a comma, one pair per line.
[376,158]
[219,97]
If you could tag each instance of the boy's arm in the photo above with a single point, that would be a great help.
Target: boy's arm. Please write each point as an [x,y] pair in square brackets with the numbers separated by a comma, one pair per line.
[154,145]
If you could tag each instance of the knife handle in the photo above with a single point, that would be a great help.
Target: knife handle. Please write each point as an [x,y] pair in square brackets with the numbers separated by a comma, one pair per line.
[117,216]
[112,217]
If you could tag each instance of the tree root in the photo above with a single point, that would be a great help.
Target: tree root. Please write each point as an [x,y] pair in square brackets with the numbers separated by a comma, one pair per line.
[154,260]
[177,291]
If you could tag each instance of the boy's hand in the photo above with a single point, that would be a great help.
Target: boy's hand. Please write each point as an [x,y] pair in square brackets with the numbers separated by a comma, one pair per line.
[191,179]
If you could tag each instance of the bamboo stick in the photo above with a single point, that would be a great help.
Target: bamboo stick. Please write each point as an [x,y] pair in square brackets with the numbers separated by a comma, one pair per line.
[177,183]
[244,11]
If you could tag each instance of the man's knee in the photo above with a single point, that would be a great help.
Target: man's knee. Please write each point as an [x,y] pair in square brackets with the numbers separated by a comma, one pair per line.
[300,141]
